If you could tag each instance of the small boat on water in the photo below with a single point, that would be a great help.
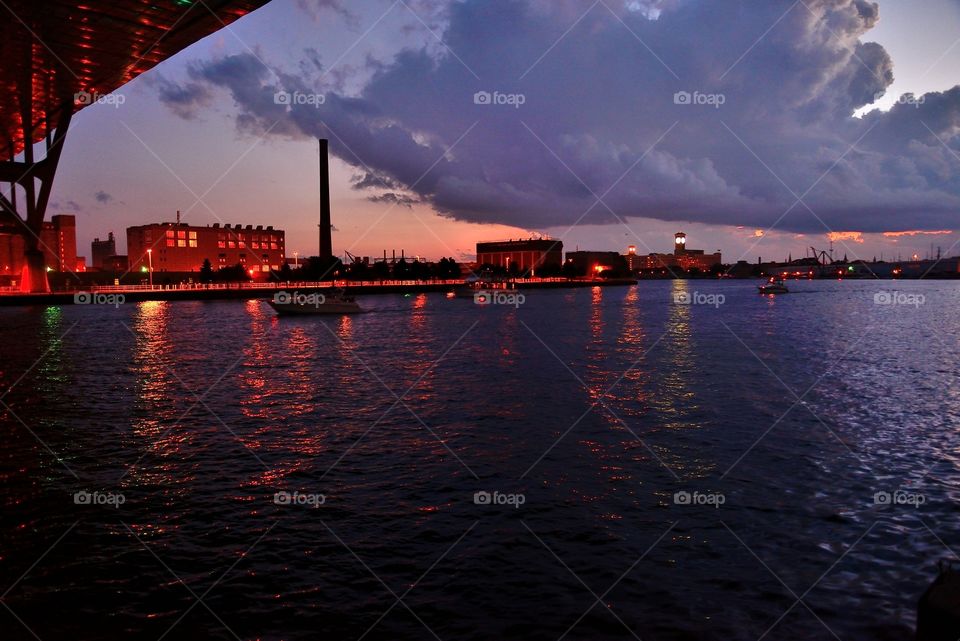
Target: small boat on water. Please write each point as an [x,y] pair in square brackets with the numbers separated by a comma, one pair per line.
[773,286]
[335,302]
[474,286]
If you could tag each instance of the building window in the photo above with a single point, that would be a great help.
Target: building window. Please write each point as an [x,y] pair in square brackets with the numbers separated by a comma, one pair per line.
[193,234]
[181,242]
[169,242]
[232,245]
[170,233]
[181,234]
[193,242]
[255,244]
[273,245]
[221,244]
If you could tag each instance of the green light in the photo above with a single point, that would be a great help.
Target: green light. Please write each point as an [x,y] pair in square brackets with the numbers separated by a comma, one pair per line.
[143,269]
[850,268]
[49,269]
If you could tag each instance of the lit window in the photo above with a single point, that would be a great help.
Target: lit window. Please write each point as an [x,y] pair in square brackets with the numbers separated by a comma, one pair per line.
[169,242]
[232,245]
[242,244]
[170,233]
[193,242]
[181,234]
[265,268]
[273,245]
[255,244]
[221,244]
[181,242]
[193,234]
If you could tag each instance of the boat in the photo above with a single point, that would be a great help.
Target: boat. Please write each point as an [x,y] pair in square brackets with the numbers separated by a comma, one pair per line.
[297,304]
[773,286]
[474,286]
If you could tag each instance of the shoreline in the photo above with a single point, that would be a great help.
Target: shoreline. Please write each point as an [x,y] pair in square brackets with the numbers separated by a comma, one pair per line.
[240,292]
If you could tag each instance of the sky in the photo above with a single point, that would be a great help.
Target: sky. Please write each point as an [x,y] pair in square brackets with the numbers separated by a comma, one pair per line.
[759,127]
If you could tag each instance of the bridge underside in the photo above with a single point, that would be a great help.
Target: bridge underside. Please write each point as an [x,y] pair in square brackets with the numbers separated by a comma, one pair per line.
[59,56]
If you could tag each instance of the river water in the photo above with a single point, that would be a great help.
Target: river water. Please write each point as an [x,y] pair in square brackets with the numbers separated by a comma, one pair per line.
[672,460]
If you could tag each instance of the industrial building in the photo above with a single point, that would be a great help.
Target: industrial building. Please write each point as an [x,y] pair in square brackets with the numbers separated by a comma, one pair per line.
[525,256]
[179,247]
[102,250]
[58,242]
[595,263]
[682,258]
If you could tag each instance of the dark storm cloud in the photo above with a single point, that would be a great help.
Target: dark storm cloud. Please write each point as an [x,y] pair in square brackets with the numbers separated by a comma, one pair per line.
[402,200]
[594,112]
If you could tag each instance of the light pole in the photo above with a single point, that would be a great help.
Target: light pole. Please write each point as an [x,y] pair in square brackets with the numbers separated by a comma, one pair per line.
[150,268]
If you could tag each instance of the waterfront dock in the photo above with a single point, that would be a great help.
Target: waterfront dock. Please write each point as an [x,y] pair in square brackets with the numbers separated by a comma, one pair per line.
[246,291]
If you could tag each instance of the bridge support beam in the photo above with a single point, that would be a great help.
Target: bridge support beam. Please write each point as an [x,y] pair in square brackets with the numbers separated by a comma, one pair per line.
[35,178]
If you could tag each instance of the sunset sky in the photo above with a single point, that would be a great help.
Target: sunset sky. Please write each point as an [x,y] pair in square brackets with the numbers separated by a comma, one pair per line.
[789,148]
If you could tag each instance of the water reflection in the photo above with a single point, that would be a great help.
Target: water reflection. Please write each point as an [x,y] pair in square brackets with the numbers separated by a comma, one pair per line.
[154,424]
[677,402]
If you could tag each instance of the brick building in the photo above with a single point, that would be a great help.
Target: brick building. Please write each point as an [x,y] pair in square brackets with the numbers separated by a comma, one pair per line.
[178,247]
[522,255]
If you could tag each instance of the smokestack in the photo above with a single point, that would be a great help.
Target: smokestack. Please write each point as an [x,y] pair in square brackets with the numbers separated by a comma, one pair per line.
[326,243]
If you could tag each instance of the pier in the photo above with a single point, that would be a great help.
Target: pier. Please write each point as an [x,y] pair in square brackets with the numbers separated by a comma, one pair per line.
[246,291]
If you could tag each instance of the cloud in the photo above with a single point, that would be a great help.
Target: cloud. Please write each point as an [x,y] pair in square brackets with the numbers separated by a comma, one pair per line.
[185,100]
[915,232]
[67,205]
[103,197]
[765,138]
[842,236]
[316,8]
[394,198]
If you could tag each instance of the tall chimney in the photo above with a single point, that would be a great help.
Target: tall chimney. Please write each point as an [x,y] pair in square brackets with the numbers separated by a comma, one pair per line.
[326,243]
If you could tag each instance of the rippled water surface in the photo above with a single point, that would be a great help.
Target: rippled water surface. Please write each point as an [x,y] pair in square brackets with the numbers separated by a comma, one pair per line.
[782,419]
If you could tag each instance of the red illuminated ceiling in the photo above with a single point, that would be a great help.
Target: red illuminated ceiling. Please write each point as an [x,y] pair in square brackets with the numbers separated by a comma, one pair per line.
[92,46]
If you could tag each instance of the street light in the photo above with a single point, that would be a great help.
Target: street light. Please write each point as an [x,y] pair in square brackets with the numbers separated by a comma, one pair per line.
[150,269]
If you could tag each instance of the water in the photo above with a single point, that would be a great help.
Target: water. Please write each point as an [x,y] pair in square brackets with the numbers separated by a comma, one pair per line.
[592,407]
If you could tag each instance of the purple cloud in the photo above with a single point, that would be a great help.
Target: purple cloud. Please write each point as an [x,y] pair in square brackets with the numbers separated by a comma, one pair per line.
[671,109]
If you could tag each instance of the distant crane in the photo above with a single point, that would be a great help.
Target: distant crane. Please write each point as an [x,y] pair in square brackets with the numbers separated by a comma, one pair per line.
[823,258]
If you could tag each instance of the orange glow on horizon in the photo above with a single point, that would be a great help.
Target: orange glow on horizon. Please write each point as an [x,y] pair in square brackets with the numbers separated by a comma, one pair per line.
[917,232]
[855,236]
